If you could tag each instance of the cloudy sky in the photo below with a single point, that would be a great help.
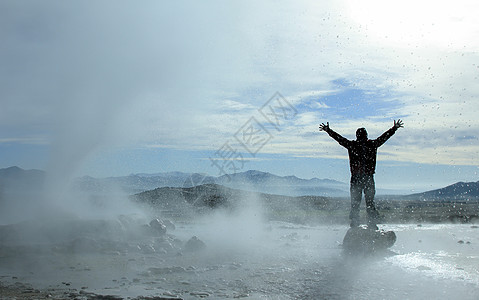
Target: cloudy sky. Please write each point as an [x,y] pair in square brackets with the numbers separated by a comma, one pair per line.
[109,88]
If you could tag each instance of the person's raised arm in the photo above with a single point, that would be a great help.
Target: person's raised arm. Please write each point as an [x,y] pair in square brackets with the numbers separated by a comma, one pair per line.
[389,133]
[341,140]
[324,127]
[398,124]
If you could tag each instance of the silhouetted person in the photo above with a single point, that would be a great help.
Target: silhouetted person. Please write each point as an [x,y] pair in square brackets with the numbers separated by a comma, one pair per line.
[362,162]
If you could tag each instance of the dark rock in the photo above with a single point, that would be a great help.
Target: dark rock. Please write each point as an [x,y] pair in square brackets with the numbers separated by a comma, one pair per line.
[158,226]
[105,297]
[169,225]
[146,248]
[364,240]
[157,298]
[166,270]
[194,244]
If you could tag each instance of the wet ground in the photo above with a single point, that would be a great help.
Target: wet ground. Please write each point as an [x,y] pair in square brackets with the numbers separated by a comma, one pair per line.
[254,261]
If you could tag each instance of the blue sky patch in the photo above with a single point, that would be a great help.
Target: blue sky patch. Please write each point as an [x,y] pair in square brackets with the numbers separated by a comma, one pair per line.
[354,103]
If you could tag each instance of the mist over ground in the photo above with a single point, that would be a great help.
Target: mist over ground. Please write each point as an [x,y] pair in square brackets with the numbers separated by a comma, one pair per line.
[111,88]
[214,242]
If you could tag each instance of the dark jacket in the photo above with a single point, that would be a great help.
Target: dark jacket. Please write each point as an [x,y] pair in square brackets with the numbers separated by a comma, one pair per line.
[362,154]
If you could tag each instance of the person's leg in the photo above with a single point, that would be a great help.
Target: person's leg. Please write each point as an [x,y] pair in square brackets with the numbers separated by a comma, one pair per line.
[355,190]
[369,192]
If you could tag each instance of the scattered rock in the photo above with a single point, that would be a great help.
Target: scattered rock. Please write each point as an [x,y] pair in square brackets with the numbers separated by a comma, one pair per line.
[105,297]
[291,237]
[169,225]
[161,251]
[165,244]
[114,253]
[235,266]
[170,294]
[157,298]
[158,226]
[194,244]
[243,295]
[200,294]
[364,240]
[166,270]
[460,242]
[147,249]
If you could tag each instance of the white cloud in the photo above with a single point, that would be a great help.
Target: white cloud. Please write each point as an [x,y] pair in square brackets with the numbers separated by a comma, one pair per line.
[236,106]
[450,25]
[25,140]
[187,75]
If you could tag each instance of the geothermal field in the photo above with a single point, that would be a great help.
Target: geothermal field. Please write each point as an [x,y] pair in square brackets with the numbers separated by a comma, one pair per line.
[159,150]
[215,245]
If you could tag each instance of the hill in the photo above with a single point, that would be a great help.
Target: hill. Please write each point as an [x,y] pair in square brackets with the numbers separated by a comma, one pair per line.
[250,180]
[187,203]
[136,183]
[192,201]
[17,180]
[460,191]
[284,185]
[458,202]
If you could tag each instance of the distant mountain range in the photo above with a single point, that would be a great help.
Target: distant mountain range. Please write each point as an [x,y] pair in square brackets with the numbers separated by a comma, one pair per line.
[283,185]
[456,191]
[18,179]
[15,178]
[133,183]
[250,180]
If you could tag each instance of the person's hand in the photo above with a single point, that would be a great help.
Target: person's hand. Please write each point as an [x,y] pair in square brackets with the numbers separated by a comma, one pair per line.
[398,123]
[324,127]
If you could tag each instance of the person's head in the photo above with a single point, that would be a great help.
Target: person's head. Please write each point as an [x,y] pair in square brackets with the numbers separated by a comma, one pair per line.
[361,134]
